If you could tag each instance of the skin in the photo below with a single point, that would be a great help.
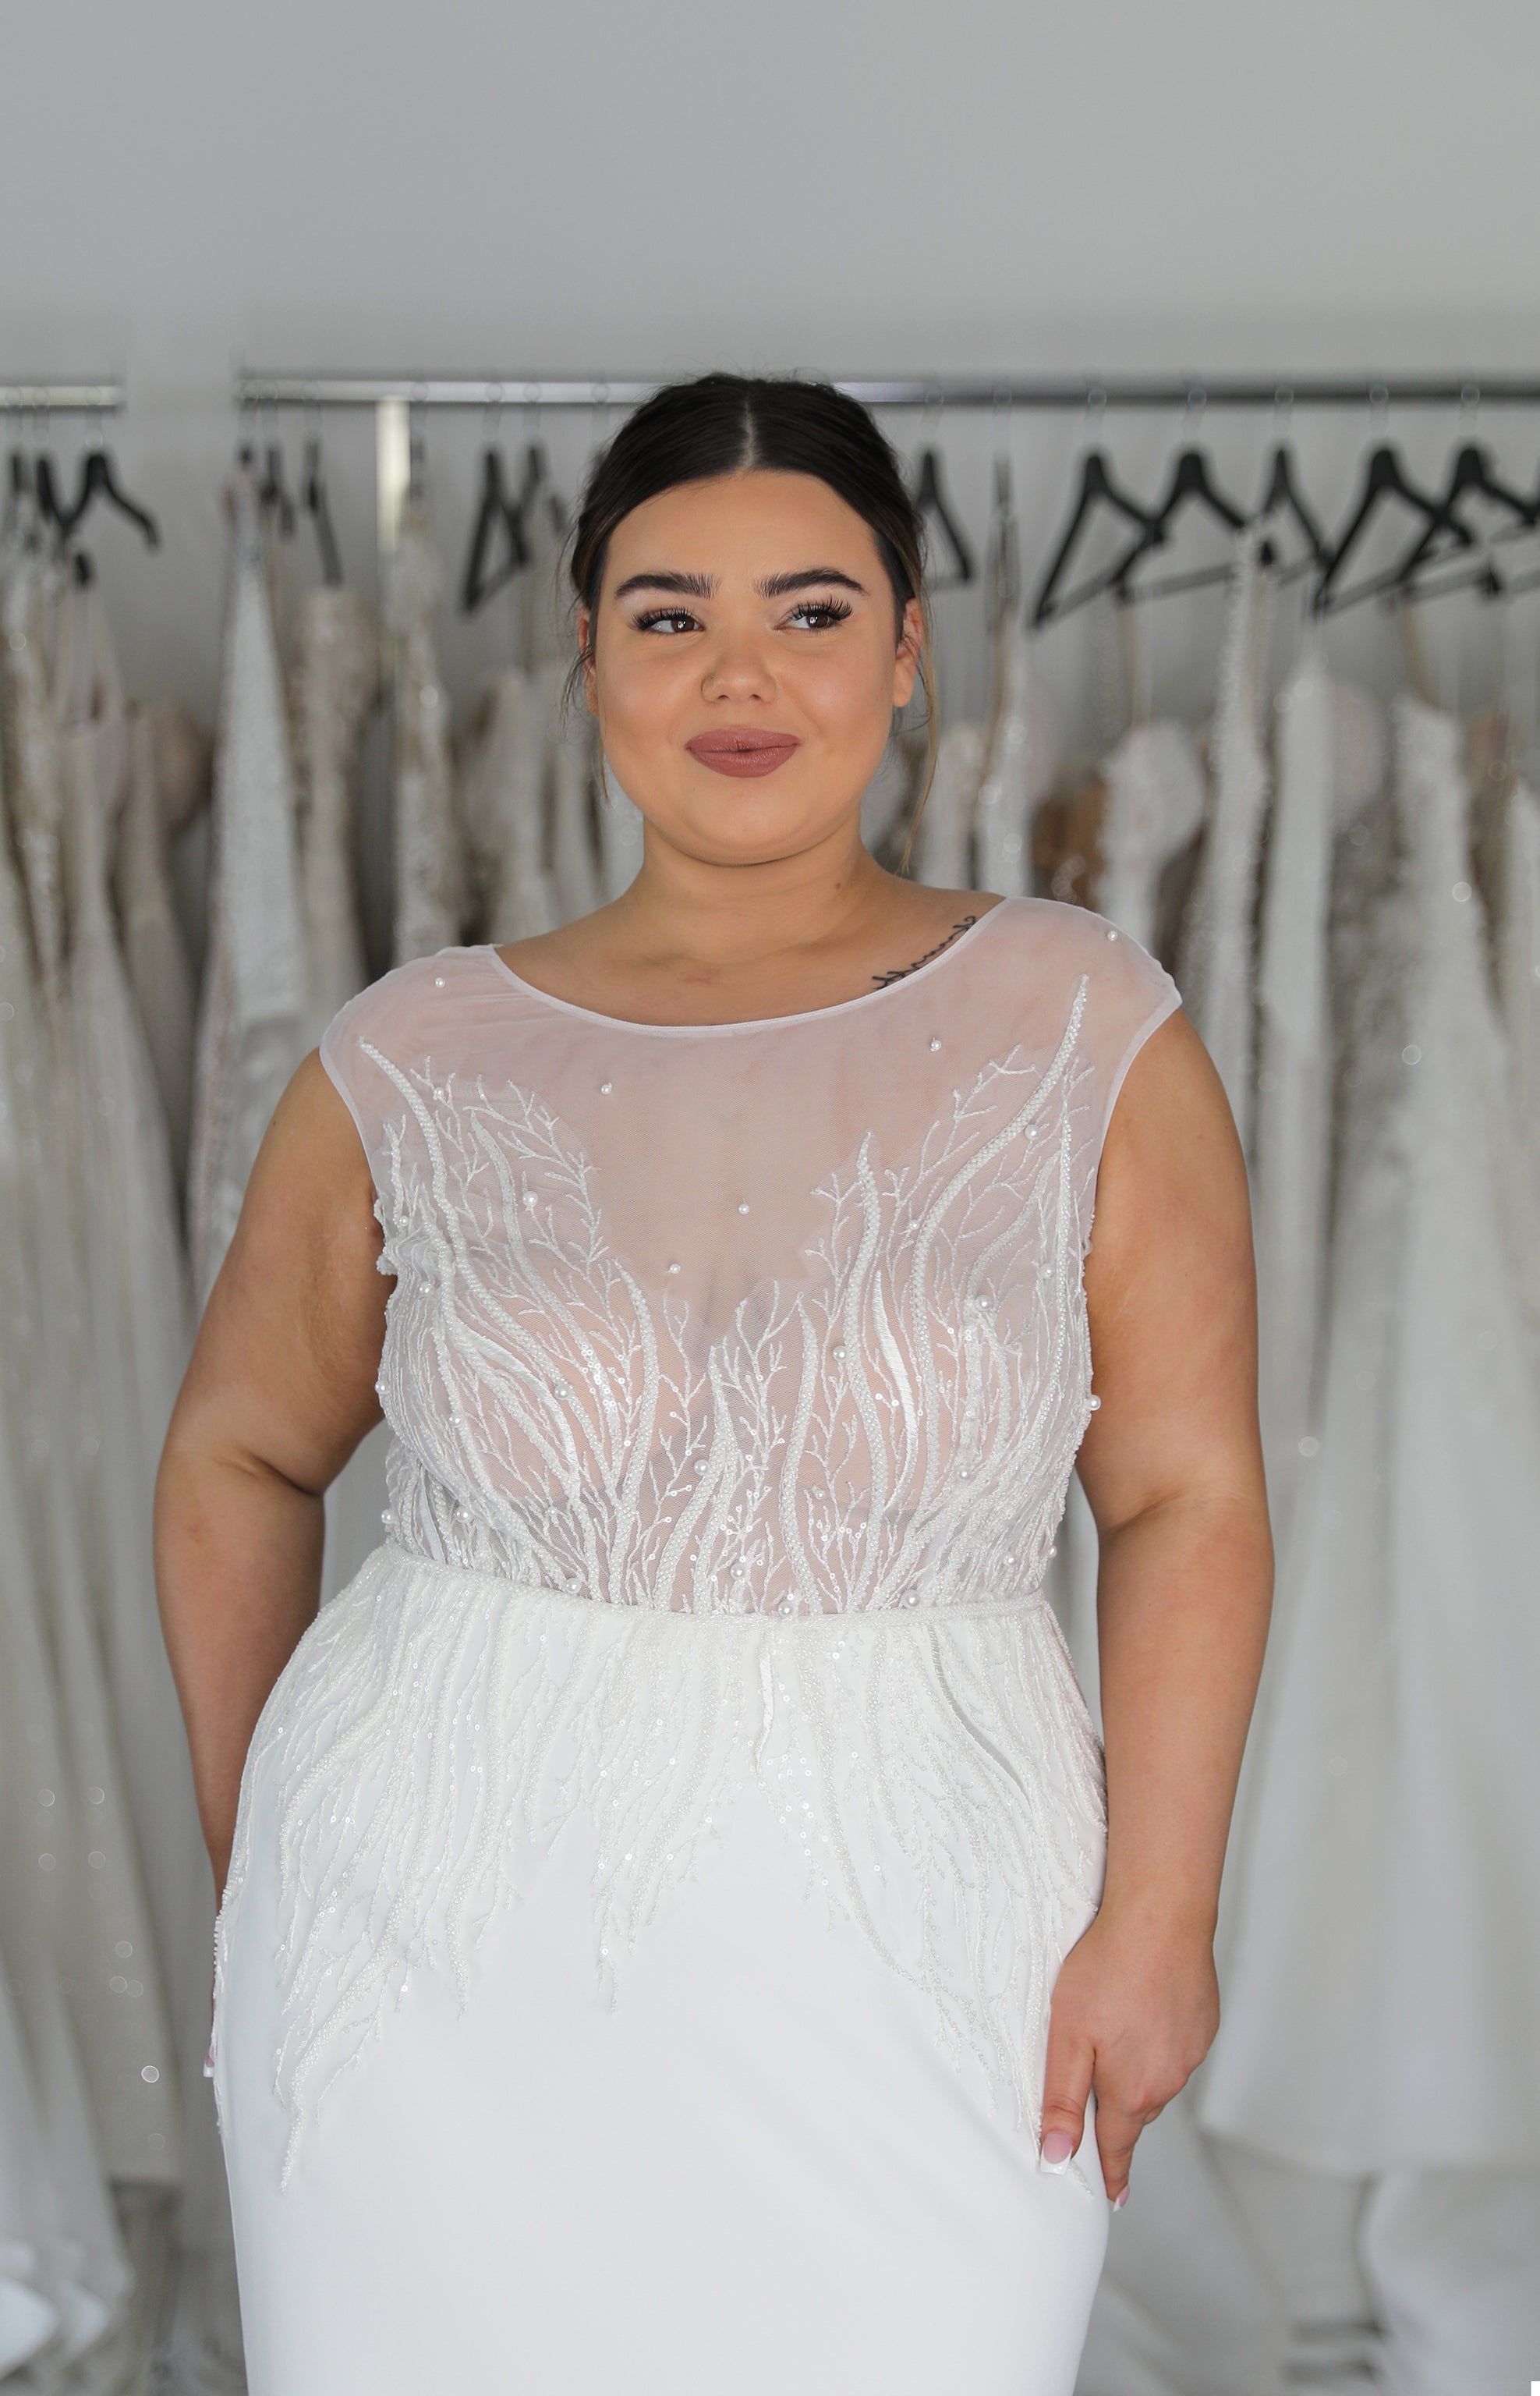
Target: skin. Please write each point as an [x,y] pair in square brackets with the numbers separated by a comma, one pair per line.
[756,898]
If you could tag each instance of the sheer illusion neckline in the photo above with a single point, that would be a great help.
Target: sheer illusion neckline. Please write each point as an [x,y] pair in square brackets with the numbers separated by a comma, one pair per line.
[757,1023]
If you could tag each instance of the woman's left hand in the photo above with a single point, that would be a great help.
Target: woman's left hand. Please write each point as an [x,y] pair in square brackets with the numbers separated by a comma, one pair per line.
[1135,2011]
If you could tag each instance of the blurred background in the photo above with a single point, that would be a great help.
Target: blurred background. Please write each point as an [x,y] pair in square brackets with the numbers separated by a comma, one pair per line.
[1211,337]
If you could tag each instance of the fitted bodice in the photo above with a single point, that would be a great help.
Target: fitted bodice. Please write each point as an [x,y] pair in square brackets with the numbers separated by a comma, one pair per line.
[780,1316]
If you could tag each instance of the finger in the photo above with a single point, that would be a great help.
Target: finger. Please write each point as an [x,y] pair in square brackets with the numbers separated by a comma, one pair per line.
[1117,2135]
[1065,2086]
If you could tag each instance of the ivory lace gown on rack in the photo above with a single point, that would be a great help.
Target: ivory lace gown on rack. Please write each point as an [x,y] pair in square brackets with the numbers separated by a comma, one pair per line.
[652,1872]
[1385,1981]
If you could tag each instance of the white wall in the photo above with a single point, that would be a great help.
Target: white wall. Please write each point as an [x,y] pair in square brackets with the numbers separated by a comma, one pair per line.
[842,185]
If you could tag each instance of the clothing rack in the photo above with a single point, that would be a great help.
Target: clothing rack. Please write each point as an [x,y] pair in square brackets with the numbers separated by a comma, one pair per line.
[61,398]
[394,398]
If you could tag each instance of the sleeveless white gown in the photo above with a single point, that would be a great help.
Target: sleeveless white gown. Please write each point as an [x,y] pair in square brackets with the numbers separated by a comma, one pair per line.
[652,1872]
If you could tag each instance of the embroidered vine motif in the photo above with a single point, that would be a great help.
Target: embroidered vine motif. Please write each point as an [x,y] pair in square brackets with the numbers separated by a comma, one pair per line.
[899,1429]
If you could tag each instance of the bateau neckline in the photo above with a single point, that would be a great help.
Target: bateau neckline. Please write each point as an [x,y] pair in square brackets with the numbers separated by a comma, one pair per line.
[755,1022]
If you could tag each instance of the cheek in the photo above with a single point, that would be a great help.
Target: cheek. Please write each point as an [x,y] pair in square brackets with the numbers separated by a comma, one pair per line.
[847,692]
[639,693]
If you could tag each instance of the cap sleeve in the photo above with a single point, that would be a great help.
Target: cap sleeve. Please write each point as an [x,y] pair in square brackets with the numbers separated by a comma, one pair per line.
[394,1024]
[1135,996]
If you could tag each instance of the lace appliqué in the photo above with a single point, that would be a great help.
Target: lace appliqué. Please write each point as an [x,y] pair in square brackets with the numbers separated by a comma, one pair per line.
[900,1428]
[435,1731]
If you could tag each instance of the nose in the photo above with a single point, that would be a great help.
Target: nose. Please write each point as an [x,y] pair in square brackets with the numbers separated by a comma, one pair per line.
[739,668]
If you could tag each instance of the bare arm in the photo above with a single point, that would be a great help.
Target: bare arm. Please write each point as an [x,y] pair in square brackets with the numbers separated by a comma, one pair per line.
[1172,1466]
[278,1394]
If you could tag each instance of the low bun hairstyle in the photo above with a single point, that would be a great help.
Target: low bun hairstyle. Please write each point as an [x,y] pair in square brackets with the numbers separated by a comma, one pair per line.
[729,424]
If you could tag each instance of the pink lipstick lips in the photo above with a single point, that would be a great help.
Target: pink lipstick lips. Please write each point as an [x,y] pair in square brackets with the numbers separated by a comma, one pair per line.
[739,751]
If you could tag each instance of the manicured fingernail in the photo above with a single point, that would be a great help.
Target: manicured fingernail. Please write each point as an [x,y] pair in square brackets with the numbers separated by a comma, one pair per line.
[1119,2200]
[1057,2151]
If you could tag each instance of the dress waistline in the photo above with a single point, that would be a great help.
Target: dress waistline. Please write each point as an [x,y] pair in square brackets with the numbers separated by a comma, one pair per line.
[1022,1601]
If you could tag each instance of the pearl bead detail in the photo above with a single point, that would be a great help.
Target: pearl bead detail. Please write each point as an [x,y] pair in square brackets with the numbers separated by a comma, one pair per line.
[1093,1403]
[673,1268]
[935,1046]
[438,982]
[1111,936]
[743,1206]
[388,1519]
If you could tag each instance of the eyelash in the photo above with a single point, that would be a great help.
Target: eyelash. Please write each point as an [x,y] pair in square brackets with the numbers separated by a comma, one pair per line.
[833,611]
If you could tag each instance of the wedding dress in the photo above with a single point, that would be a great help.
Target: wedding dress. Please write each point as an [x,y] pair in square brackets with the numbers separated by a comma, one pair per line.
[1216,968]
[169,759]
[138,1306]
[101,1930]
[256,993]
[651,1874]
[942,838]
[502,808]
[1018,769]
[334,682]
[429,871]
[1382,1985]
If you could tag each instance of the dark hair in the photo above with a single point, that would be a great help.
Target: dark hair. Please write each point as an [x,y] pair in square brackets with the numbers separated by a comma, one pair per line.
[727,424]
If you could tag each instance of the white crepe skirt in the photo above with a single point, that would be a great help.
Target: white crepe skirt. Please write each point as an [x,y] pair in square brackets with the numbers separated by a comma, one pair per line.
[650,2004]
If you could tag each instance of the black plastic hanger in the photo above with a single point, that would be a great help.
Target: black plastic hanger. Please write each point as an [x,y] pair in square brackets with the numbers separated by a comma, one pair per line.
[273,492]
[496,512]
[1283,496]
[536,484]
[930,499]
[1191,483]
[1385,478]
[1471,476]
[317,506]
[1097,490]
[97,481]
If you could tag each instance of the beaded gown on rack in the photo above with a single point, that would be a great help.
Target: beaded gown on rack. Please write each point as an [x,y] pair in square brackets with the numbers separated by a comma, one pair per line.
[652,1871]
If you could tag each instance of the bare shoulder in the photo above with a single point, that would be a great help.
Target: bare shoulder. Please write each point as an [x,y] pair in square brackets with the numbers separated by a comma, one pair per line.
[308,1219]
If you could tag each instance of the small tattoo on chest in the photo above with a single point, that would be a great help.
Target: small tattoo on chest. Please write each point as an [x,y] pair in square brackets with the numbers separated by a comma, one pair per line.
[898,972]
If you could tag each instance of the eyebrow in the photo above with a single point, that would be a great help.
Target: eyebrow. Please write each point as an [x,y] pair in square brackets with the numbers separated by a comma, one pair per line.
[776,586]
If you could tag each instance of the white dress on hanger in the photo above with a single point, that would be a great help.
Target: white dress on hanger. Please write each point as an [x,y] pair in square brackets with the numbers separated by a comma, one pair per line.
[430,864]
[1023,752]
[333,683]
[104,1944]
[169,760]
[256,992]
[63,2274]
[942,838]
[1382,1984]
[651,1875]
[502,779]
[138,1298]
[1215,969]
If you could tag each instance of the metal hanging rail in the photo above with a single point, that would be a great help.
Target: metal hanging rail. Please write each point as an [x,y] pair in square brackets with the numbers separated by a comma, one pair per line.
[1063,392]
[394,398]
[61,398]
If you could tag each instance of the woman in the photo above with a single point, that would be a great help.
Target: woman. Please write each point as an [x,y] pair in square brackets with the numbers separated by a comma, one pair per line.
[651,1876]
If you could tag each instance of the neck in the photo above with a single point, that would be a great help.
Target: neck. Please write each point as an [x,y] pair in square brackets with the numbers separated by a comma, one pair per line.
[708,921]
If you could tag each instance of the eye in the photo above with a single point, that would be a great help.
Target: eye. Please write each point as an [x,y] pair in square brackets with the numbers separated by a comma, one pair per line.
[668,619]
[818,615]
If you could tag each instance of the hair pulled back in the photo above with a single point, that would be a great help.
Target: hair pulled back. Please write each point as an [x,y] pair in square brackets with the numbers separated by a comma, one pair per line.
[729,424]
